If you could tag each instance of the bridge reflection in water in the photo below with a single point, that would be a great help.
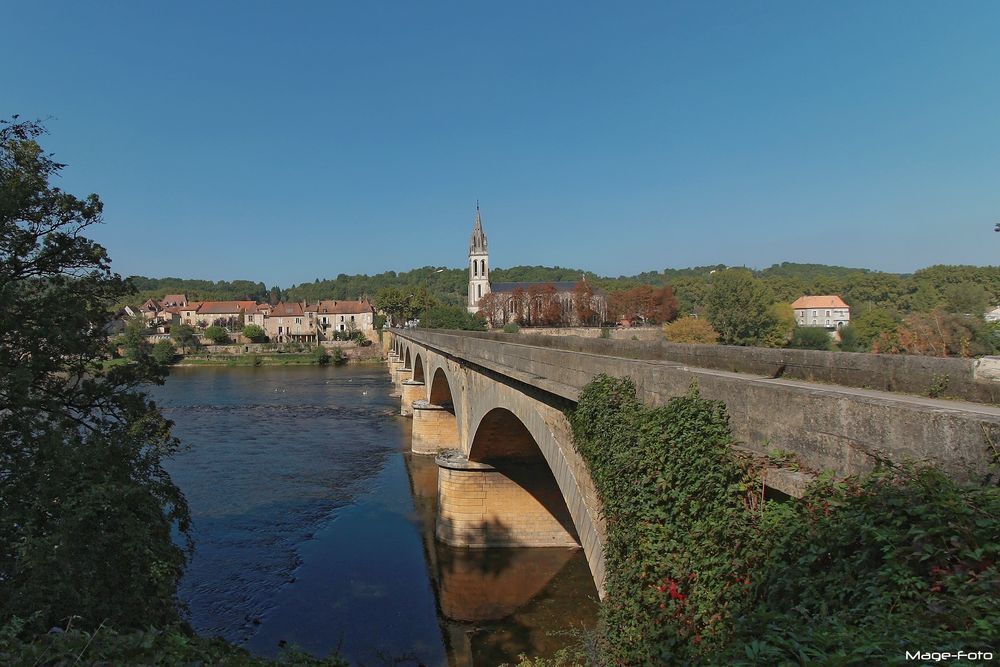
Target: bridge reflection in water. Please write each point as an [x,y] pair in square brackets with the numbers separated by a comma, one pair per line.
[496,603]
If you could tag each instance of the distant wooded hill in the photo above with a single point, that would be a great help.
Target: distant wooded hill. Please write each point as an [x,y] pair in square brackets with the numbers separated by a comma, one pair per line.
[861,288]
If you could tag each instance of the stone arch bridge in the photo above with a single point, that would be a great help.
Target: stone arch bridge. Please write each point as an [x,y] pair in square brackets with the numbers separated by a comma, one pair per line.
[491,408]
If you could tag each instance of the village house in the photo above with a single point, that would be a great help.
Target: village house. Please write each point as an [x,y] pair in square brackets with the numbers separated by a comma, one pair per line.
[826,311]
[257,315]
[174,301]
[228,314]
[341,316]
[289,323]
[189,313]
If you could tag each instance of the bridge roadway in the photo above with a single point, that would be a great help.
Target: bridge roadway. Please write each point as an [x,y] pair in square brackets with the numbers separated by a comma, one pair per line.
[493,412]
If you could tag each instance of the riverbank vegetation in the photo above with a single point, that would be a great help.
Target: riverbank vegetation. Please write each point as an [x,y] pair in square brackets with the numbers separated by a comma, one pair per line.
[702,569]
[94,535]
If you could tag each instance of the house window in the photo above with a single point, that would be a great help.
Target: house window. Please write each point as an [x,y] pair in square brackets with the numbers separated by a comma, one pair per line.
[341,319]
[828,322]
[352,318]
[814,313]
[298,320]
[828,313]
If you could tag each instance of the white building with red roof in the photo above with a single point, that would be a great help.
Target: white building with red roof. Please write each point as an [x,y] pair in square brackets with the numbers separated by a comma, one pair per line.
[827,311]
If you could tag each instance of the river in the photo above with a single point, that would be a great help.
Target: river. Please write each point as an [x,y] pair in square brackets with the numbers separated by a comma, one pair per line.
[313,526]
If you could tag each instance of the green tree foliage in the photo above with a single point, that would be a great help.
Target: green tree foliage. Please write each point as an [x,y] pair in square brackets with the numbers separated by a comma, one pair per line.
[86,507]
[739,308]
[967,299]
[849,339]
[184,335]
[810,338]
[451,317]
[784,325]
[860,571]
[217,334]
[133,340]
[254,333]
[873,325]
[196,290]
[163,352]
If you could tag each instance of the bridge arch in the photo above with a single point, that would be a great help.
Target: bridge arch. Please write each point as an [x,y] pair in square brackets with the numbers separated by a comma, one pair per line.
[406,358]
[418,369]
[436,423]
[504,493]
[440,392]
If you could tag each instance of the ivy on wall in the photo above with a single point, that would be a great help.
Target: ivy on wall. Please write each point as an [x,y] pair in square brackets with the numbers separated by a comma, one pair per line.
[699,571]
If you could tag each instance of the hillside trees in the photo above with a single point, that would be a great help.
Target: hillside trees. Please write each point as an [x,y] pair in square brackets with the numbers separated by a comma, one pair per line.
[739,308]
[86,506]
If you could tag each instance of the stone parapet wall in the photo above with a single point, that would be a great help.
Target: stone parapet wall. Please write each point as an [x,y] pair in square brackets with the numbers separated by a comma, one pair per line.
[614,333]
[842,429]
[966,379]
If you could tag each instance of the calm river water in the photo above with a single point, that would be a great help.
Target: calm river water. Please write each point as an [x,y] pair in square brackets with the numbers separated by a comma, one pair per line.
[313,525]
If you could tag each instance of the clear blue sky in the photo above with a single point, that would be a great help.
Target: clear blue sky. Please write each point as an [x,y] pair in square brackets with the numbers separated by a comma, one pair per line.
[288,141]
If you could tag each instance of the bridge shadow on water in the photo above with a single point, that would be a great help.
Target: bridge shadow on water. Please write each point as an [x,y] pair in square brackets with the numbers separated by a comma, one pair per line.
[495,603]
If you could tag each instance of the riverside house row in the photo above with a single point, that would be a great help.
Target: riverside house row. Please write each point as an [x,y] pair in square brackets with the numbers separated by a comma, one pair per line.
[284,322]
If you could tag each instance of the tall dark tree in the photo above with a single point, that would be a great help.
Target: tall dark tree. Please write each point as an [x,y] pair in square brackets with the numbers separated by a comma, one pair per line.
[86,507]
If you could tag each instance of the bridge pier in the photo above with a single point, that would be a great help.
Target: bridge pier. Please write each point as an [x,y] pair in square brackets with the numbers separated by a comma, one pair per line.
[510,504]
[402,375]
[394,364]
[435,428]
[412,390]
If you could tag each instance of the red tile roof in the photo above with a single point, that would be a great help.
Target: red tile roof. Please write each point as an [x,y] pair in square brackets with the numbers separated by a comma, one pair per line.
[341,307]
[824,301]
[174,300]
[291,309]
[225,307]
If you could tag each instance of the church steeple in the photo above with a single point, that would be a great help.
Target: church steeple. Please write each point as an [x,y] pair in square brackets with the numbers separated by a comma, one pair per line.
[477,244]
[479,264]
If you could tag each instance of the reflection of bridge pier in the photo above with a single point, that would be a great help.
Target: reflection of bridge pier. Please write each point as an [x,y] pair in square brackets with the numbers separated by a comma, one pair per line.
[481,592]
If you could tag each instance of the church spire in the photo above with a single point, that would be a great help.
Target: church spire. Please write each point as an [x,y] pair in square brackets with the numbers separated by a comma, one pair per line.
[477,244]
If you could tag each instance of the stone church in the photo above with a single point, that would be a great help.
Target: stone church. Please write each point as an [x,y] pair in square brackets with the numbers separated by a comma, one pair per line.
[505,294]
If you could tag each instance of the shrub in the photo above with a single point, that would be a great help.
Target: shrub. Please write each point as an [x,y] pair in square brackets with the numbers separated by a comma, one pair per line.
[810,338]
[216,334]
[691,330]
[254,333]
[163,352]
[321,356]
[511,327]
